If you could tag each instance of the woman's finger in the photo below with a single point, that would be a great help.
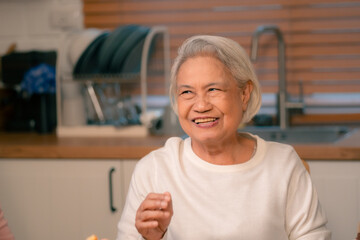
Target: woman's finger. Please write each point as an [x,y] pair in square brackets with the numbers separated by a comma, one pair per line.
[152,215]
[168,200]
[152,202]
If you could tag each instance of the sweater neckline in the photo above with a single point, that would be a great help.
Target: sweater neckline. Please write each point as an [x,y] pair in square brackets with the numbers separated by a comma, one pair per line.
[252,162]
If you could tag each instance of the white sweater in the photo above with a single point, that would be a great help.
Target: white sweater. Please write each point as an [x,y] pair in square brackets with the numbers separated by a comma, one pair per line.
[271,196]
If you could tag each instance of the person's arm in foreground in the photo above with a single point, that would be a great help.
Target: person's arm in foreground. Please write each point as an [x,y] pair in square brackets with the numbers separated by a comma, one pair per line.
[5,233]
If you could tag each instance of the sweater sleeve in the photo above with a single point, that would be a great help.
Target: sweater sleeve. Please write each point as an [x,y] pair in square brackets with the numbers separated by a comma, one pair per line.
[305,218]
[145,180]
[142,182]
[126,225]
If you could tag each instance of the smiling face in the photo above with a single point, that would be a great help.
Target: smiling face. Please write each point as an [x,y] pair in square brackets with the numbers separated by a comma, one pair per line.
[210,103]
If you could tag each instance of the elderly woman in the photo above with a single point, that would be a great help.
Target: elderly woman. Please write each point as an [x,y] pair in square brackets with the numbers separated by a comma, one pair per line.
[219,183]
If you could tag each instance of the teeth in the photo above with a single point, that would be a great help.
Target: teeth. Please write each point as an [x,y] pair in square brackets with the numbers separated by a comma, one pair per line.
[203,120]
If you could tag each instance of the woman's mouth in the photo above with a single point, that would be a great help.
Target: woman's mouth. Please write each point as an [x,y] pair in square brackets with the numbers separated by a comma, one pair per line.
[204,120]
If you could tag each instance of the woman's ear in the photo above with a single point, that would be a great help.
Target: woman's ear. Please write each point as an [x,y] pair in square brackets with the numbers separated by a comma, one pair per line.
[246,93]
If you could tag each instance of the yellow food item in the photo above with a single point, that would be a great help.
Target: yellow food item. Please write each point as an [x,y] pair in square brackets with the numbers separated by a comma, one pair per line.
[92,237]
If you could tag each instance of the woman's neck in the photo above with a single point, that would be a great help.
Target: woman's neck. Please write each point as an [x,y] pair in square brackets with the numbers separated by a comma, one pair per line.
[234,151]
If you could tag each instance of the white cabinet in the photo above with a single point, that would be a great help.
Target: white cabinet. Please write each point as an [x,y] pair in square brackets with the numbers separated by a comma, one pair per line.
[63,199]
[127,167]
[338,186]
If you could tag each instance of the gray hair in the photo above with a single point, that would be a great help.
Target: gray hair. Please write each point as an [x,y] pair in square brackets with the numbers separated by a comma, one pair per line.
[231,54]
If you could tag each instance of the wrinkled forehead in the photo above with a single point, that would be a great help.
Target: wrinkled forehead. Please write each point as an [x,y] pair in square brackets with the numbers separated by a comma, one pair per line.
[189,63]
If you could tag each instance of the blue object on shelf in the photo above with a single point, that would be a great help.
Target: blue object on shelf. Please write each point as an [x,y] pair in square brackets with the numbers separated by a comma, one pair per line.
[39,79]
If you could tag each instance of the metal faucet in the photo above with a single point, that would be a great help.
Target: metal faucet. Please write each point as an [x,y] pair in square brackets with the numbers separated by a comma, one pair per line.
[283,105]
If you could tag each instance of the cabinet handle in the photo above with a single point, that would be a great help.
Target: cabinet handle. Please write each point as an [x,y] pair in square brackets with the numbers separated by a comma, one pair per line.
[112,208]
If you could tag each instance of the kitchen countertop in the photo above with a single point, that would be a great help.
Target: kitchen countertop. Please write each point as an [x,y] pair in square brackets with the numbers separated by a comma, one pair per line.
[49,146]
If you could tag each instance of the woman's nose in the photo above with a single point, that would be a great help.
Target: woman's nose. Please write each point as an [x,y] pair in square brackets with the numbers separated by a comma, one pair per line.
[202,104]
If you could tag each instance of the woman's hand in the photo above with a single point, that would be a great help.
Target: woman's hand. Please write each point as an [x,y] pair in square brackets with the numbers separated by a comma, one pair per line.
[153,215]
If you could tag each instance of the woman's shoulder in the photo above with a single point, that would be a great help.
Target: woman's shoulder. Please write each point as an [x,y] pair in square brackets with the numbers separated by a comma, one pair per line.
[270,146]
[172,146]
[169,152]
[155,165]
[276,152]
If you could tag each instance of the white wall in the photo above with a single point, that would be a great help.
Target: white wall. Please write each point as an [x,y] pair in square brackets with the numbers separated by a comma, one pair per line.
[37,24]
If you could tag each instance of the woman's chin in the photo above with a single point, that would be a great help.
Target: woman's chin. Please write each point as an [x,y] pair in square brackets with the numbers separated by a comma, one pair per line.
[205,138]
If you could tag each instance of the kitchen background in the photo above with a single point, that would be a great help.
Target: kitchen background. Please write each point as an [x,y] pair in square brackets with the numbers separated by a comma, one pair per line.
[45,180]
[321,37]
[34,27]
[37,24]
[322,40]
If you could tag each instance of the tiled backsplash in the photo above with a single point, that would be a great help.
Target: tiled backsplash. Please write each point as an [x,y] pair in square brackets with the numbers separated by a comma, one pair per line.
[37,24]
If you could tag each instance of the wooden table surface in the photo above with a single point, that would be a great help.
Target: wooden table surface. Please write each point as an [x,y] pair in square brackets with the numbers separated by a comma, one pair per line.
[34,145]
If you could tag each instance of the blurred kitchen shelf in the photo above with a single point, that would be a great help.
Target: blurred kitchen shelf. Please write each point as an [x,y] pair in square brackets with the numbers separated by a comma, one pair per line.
[107,78]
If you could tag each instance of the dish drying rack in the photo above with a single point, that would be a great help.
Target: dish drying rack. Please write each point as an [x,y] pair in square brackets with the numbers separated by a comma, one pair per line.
[89,80]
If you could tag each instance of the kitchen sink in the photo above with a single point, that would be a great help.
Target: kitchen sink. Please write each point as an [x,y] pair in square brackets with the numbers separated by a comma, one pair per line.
[300,135]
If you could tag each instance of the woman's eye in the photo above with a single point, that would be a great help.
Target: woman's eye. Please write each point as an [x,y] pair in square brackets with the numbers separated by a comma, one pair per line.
[213,89]
[185,92]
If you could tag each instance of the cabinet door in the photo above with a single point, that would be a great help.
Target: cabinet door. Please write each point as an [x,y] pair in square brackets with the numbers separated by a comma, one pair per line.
[338,185]
[60,199]
[127,168]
